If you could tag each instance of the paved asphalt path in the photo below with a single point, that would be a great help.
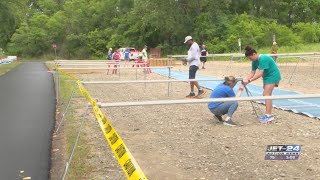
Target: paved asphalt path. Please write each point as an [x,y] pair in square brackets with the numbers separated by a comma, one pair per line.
[27,112]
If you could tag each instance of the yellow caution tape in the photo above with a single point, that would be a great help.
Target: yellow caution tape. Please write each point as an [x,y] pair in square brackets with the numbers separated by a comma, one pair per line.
[127,162]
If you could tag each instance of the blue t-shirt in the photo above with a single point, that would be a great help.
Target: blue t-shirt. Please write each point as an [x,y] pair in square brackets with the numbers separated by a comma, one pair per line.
[221,91]
[109,53]
[126,54]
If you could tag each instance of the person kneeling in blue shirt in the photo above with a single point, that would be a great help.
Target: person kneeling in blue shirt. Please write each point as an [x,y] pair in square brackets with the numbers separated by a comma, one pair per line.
[225,90]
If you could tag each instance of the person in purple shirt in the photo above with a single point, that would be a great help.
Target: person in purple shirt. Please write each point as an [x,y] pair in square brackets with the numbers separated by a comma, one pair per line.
[225,90]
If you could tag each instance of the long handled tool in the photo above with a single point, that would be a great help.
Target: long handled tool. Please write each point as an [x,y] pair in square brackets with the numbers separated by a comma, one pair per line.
[253,107]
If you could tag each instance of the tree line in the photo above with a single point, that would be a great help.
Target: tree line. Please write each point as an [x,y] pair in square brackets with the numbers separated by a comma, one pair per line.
[87,28]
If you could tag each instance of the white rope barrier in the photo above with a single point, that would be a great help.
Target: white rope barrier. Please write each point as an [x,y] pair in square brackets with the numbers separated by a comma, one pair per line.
[193,101]
[84,61]
[310,57]
[99,64]
[169,81]
[160,67]
[302,106]
[150,81]
[242,55]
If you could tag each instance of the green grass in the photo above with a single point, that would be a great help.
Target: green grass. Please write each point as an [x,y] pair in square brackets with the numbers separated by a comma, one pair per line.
[43,58]
[4,68]
[300,48]
[78,168]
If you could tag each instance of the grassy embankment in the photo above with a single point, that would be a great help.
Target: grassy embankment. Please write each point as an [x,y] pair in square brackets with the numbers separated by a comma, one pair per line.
[4,68]
[78,168]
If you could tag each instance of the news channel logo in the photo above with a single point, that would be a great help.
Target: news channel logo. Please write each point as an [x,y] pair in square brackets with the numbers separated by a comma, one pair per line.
[283,152]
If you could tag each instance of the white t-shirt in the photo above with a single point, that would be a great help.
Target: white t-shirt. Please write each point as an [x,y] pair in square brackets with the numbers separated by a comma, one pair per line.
[194,55]
[144,55]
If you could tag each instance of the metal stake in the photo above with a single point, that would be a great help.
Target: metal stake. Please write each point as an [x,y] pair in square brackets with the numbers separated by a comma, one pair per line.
[66,109]
[55,81]
[253,107]
[295,68]
[119,71]
[169,77]
[145,78]
[58,85]
[75,144]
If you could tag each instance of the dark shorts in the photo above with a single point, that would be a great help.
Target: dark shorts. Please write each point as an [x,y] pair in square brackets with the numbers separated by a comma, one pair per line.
[192,71]
[275,84]
[203,59]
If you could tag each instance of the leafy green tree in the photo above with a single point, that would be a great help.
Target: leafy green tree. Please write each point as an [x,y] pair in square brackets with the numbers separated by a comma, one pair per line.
[87,28]
[32,38]
[11,15]
[309,32]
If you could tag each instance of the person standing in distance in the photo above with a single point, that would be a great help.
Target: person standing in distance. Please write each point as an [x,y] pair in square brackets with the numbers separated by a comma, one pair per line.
[144,54]
[204,54]
[265,67]
[193,60]
[109,54]
[117,57]
[126,56]
[274,50]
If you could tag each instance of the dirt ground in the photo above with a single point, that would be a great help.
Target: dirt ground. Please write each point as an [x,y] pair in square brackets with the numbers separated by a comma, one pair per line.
[186,142]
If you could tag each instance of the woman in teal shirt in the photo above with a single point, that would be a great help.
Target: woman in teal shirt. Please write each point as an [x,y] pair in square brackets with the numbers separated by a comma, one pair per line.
[265,67]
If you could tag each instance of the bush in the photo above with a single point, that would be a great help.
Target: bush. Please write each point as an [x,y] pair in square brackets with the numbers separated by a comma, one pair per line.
[216,46]
[309,32]
[284,35]
[258,32]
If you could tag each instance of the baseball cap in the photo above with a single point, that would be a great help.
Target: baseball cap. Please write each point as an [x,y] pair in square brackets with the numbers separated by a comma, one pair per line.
[187,39]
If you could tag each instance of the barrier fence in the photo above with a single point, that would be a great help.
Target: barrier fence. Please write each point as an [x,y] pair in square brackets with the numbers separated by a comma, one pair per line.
[237,55]
[125,159]
[193,101]
[127,162]
[146,70]
[242,55]
[152,81]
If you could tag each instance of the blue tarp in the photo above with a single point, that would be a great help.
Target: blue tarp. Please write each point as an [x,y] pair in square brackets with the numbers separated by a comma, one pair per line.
[309,107]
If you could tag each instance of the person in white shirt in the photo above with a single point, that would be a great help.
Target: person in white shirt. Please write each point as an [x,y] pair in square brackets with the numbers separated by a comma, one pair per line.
[193,60]
[144,54]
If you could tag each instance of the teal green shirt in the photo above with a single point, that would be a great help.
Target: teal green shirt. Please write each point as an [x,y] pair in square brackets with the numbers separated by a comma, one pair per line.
[271,72]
